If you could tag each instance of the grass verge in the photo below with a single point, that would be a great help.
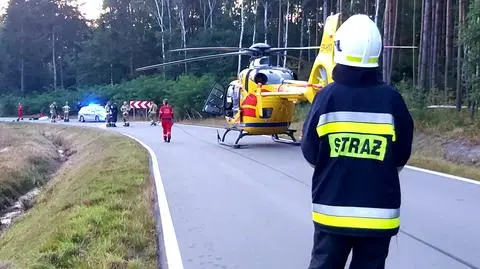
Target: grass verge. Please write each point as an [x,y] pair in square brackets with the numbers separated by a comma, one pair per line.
[95,212]
[444,140]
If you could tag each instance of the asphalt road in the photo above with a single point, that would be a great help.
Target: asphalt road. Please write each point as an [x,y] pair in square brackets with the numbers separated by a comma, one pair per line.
[250,207]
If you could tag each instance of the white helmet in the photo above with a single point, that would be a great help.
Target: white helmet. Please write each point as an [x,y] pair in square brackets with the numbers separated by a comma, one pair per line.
[358,42]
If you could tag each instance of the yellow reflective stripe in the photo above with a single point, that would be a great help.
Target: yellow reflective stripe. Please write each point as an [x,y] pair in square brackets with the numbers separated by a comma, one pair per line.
[356,127]
[352,222]
[358,146]
[371,60]
[249,106]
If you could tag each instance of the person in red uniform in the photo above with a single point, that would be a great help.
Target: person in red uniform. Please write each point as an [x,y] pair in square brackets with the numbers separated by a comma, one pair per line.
[20,112]
[166,117]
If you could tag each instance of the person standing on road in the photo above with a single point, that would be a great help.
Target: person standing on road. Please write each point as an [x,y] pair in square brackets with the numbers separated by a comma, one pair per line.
[357,136]
[19,112]
[152,113]
[66,112]
[53,112]
[125,112]
[166,116]
[114,111]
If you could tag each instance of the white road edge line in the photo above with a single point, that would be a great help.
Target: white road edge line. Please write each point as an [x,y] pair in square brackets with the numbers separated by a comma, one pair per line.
[174,259]
[443,174]
[418,169]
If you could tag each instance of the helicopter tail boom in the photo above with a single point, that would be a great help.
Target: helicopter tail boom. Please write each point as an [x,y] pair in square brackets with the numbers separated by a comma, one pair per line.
[322,68]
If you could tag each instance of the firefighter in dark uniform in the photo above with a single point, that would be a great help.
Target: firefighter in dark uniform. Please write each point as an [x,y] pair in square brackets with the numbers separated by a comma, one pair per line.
[357,136]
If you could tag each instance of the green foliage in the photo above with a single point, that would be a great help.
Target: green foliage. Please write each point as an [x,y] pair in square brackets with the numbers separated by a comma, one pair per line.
[471,39]
[187,95]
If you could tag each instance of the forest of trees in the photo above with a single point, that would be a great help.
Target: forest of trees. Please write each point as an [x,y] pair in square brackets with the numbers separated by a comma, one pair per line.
[46,46]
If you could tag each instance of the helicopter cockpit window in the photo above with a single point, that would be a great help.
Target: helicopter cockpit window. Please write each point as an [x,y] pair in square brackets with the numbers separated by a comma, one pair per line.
[275,76]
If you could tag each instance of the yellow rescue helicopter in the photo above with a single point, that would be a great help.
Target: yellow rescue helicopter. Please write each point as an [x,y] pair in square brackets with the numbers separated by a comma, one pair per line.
[261,101]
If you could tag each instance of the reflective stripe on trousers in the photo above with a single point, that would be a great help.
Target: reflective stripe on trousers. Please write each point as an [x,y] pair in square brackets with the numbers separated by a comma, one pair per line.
[356,217]
[356,122]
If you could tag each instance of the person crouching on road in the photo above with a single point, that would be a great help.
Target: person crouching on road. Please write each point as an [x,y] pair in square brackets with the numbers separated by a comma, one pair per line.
[357,136]
[152,113]
[166,116]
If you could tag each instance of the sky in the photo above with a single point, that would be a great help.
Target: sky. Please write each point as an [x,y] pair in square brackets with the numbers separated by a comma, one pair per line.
[90,8]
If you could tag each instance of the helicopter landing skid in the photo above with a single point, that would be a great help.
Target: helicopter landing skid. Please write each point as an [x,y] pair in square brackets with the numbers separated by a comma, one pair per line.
[221,140]
[290,133]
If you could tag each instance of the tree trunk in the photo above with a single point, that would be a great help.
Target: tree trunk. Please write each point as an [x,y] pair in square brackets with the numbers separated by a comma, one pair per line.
[458,100]
[255,22]
[203,6]
[61,73]
[279,28]
[414,31]
[325,13]
[169,17]
[377,11]
[366,7]
[316,22]
[431,41]
[162,31]
[386,36]
[473,109]
[22,72]
[265,21]
[211,5]
[22,59]
[241,36]
[388,32]
[54,60]
[433,74]
[287,20]
[340,8]
[184,33]
[422,14]
[425,45]
[393,41]
[302,24]
[448,48]
[309,37]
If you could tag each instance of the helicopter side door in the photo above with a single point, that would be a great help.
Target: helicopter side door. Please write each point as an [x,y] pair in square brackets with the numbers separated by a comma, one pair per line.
[215,103]
[232,101]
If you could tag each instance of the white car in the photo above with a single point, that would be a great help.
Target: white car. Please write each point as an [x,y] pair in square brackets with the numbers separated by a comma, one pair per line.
[92,113]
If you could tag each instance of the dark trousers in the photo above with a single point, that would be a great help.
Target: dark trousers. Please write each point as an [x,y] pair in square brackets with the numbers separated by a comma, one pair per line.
[330,251]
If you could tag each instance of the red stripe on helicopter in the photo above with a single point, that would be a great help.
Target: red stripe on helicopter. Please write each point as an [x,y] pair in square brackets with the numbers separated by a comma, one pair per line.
[250,100]
[249,112]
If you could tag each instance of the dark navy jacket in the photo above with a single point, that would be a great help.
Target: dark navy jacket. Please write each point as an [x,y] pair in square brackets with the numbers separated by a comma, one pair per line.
[357,134]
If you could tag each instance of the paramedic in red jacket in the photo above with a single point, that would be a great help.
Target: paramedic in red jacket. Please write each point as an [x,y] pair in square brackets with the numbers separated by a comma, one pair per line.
[166,116]
[20,112]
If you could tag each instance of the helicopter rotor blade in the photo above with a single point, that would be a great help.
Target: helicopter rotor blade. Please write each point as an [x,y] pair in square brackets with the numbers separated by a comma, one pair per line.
[293,48]
[188,60]
[207,48]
